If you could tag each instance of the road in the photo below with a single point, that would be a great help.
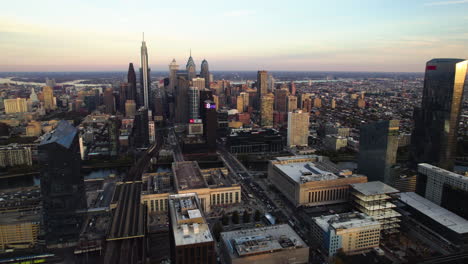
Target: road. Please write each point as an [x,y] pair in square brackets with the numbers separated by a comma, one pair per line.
[177,152]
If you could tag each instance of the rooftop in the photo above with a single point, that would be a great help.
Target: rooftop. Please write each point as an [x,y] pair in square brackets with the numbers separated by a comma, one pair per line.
[13,218]
[255,241]
[62,135]
[344,221]
[373,188]
[441,171]
[435,212]
[187,175]
[188,223]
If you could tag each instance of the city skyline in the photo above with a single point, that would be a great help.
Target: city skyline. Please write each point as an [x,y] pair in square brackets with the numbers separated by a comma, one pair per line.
[317,36]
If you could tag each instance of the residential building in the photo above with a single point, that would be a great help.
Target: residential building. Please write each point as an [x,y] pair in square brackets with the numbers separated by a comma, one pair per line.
[15,155]
[17,105]
[298,128]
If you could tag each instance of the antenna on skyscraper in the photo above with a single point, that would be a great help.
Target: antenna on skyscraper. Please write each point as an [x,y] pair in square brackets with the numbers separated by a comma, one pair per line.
[143,36]
[190,52]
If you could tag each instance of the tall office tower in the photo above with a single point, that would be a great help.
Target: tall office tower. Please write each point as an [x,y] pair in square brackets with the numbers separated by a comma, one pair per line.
[298,128]
[109,101]
[33,96]
[145,74]
[240,104]
[302,98]
[151,132]
[198,83]
[141,128]
[159,111]
[173,68]
[281,100]
[271,83]
[292,103]
[17,105]
[436,121]
[205,94]
[292,88]
[245,100]
[210,124]
[266,110]
[130,108]
[62,185]
[378,147]
[181,106]
[194,103]
[49,100]
[205,73]
[123,97]
[132,83]
[191,68]
[262,86]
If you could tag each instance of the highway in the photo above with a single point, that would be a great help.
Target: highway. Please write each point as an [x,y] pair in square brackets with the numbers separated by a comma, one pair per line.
[177,152]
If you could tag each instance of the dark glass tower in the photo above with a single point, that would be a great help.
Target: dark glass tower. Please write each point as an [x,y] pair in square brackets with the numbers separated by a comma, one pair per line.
[141,128]
[191,69]
[132,83]
[205,73]
[62,185]
[436,121]
[378,145]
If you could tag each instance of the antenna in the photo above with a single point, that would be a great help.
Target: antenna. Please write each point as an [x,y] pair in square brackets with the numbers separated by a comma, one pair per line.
[143,36]
[190,52]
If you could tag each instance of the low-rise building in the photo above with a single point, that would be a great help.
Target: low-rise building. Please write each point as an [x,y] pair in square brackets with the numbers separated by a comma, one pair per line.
[14,155]
[275,244]
[19,229]
[353,233]
[311,180]
[335,142]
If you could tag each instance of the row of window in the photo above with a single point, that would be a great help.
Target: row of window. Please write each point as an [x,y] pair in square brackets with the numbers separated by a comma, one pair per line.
[328,195]
[224,198]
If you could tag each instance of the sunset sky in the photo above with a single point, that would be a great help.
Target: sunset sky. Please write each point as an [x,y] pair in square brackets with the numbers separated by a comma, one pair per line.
[309,35]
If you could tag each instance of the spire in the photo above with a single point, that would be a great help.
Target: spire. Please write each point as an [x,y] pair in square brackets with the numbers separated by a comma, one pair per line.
[143,36]
[190,52]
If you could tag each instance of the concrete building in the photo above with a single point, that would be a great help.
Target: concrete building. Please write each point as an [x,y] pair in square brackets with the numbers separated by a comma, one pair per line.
[190,235]
[49,99]
[307,180]
[240,104]
[262,86]
[17,105]
[266,110]
[292,103]
[19,230]
[298,128]
[353,233]
[317,102]
[194,102]
[130,108]
[335,142]
[275,244]
[15,155]
[33,129]
[245,100]
[210,185]
[198,83]
[375,199]
[281,99]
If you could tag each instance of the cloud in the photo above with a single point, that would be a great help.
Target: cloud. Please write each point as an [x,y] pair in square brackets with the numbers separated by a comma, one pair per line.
[239,13]
[453,2]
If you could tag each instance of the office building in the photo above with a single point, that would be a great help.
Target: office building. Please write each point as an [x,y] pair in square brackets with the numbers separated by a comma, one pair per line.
[130,108]
[181,97]
[298,128]
[281,100]
[378,145]
[33,96]
[109,101]
[210,123]
[240,104]
[122,97]
[311,180]
[141,128]
[173,68]
[352,233]
[266,110]
[205,73]
[335,142]
[262,86]
[33,129]
[15,155]
[333,103]
[19,230]
[198,83]
[375,199]
[191,68]
[317,102]
[444,188]
[49,99]
[434,137]
[191,238]
[194,103]
[145,76]
[151,132]
[254,141]
[17,105]
[292,103]
[245,100]
[62,185]
[132,84]
[275,244]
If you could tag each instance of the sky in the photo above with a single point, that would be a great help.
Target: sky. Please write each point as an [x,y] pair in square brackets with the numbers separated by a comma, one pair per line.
[293,35]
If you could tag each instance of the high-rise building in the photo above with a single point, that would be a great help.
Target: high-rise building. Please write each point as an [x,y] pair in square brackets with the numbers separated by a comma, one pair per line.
[14,155]
[361,103]
[122,97]
[262,86]
[436,121]
[245,100]
[266,110]
[132,83]
[17,105]
[378,145]
[62,185]
[191,68]
[151,132]
[317,102]
[302,98]
[194,103]
[49,100]
[292,103]
[205,73]
[281,100]
[173,68]
[240,104]
[298,128]
[271,83]
[181,95]
[333,103]
[33,96]
[292,88]
[145,75]
[130,108]
[109,101]
[141,128]
[198,83]
[210,123]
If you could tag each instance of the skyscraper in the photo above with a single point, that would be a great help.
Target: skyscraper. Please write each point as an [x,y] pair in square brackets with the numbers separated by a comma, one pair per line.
[17,105]
[266,110]
[205,73]
[141,128]
[298,128]
[194,103]
[262,86]
[49,100]
[378,145]
[62,185]
[191,68]
[210,123]
[436,121]
[281,100]
[132,83]
[173,68]
[240,104]
[109,101]
[123,97]
[292,103]
[245,100]
[198,83]
[145,74]
[33,96]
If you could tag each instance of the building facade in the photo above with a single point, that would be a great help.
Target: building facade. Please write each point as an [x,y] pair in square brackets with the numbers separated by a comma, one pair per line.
[298,128]
[17,105]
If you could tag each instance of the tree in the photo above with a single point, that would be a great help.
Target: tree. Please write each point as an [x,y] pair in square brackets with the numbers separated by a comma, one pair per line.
[246,217]
[235,217]
[257,216]
[225,219]
[217,229]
